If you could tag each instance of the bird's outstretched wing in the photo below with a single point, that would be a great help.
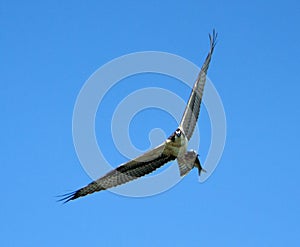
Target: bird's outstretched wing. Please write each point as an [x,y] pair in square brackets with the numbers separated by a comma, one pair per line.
[192,109]
[131,170]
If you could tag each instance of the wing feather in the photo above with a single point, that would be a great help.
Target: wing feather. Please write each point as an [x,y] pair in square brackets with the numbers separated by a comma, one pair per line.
[192,109]
[129,171]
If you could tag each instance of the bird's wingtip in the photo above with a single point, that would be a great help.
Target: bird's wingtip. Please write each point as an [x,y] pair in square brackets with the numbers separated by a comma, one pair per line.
[67,197]
[213,38]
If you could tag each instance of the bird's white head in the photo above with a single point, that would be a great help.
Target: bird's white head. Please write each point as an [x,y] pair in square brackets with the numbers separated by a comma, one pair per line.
[178,132]
[177,135]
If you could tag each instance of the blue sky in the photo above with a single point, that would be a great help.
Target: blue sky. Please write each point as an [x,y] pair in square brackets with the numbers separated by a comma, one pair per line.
[49,49]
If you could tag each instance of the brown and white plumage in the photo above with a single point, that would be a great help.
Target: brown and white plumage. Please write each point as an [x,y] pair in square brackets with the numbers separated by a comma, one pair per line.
[175,147]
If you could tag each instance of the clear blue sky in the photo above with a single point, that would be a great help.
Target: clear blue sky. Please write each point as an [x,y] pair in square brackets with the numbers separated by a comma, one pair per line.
[50,48]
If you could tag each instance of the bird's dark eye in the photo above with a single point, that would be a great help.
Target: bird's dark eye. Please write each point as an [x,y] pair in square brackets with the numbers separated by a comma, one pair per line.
[178,132]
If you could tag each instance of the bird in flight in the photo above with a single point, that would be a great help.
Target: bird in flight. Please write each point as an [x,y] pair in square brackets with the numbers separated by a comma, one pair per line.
[174,147]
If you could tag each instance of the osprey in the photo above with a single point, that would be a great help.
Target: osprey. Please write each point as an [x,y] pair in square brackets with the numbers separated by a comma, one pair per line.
[175,147]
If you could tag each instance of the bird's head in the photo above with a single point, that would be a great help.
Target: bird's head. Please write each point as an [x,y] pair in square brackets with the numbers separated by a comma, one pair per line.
[178,134]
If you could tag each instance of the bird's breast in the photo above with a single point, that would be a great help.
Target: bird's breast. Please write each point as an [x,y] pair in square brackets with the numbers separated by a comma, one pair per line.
[177,147]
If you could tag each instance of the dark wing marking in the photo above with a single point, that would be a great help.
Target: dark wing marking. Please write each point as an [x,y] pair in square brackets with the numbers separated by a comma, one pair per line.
[192,109]
[131,170]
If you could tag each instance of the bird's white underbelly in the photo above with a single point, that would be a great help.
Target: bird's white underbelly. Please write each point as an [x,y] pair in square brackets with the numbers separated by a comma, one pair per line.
[179,147]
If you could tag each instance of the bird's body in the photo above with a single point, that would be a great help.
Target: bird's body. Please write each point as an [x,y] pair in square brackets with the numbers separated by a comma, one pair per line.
[175,147]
